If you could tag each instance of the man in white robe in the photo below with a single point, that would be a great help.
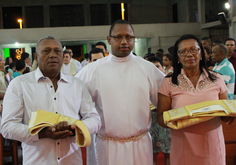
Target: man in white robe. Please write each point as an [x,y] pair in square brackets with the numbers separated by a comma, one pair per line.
[121,86]
[69,66]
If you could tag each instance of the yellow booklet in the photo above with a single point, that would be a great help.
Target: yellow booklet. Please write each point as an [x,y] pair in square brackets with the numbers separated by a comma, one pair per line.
[42,119]
[200,112]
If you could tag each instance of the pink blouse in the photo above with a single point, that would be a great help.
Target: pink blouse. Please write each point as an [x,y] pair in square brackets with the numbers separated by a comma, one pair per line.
[200,144]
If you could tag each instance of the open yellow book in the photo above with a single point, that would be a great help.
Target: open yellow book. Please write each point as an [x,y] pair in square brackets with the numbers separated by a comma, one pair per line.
[200,112]
[42,119]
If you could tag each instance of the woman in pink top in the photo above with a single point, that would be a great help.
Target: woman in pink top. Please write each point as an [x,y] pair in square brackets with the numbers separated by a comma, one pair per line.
[190,83]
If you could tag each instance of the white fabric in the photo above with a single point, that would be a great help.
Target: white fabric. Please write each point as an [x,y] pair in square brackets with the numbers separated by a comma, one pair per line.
[78,64]
[33,91]
[66,68]
[84,62]
[121,89]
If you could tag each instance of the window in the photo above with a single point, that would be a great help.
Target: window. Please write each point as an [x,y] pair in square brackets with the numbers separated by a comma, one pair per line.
[66,15]
[99,14]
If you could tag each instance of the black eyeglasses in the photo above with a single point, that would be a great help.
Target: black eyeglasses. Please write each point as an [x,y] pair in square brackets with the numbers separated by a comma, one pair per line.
[120,38]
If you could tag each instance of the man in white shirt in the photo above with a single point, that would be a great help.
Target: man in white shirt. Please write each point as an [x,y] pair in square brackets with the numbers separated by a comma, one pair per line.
[48,89]
[69,67]
[121,86]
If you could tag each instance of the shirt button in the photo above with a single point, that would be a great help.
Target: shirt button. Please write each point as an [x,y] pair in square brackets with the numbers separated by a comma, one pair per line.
[51,86]
[55,98]
[58,143]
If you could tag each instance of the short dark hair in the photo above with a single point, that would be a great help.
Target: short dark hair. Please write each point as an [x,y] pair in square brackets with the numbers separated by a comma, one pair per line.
[94,51]
[155,59]
[168,55]
[217,41]
[206,38]
[66,52]
[27,70]
[171,50]
[230,39]
[159,54]
[160,50]
[178,66]
[24,55]
[149,55]
[20,64]
[101,43]
[12,65]
[119,21]
[86,55]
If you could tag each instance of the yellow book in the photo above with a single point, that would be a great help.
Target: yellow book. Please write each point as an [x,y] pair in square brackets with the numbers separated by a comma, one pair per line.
[200,112]
[42,119]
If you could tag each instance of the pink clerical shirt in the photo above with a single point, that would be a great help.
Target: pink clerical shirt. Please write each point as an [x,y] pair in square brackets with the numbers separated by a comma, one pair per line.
[201,144]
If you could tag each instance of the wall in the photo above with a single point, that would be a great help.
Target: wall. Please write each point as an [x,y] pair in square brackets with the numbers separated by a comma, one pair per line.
[160,35]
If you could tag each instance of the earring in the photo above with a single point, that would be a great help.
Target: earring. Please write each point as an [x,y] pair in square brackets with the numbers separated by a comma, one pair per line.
[178,62]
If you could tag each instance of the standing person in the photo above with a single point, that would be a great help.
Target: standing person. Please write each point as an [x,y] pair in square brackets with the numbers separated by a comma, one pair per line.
[48,89]
[69,67]
[28,62]
[191,83]
[8,61]
[167,62]
[86,60]
[210,64]
[78,64]
[121,86]
[231,55]
[206,42]
[224,67]
[20,68]
[160,136]
[102,46]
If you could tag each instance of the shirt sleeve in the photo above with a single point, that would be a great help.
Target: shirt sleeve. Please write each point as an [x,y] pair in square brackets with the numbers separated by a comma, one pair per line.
[221,83]
[13,113]
[165,88]
[88,112]
[155,82]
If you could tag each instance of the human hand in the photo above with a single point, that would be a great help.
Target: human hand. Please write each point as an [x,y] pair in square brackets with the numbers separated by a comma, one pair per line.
[58,131]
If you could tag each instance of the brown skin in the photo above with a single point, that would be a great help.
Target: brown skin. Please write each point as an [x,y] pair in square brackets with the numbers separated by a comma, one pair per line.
[190,64]
[205,43]
[230,46]
[50,59]
[121,48]
[217,55]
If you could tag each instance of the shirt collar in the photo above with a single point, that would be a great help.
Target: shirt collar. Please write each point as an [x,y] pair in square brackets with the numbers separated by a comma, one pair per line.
[120,59]
[39,75]
[222,62]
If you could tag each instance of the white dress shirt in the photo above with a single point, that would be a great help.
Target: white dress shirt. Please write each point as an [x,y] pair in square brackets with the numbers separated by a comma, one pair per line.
[33,91]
